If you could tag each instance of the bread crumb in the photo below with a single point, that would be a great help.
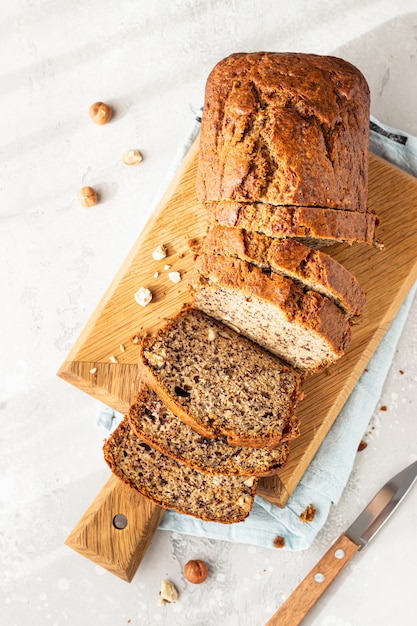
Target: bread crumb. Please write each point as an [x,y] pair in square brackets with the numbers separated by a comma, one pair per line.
[167,267]
[362,445]
[308,514]
[93,370]
[168,592]
[156,275]
[174,277]
[122,348]
[279,542]
[401,372]
[113,359]
[143,296]
[160,253]
[383,407]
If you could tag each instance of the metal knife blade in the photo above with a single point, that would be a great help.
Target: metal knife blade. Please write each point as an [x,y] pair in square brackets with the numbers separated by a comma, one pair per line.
[355,538]
[382,506]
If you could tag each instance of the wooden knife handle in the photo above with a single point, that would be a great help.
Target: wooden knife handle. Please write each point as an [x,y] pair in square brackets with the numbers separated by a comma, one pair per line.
[305,596]
[116,529]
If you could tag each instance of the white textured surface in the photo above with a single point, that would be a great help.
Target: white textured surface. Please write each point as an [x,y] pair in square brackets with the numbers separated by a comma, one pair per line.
[150,60]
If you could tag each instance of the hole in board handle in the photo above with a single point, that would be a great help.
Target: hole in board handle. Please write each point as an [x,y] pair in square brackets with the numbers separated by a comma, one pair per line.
[120,521]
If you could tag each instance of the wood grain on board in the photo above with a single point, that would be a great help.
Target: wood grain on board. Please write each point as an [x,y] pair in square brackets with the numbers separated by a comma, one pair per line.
[386,276]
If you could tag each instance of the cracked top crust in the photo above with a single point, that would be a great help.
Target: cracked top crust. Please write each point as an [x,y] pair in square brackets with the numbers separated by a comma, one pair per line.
[285,128]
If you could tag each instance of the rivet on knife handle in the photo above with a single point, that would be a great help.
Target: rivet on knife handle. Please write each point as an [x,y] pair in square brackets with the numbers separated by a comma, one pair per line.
[305,596]
[116,529]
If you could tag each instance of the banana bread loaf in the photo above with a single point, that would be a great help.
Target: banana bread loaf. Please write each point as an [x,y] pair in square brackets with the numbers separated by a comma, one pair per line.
[285,129]
[303,328]
[155,424]
[316,227]
[225,499]
[221,383]
[310,268]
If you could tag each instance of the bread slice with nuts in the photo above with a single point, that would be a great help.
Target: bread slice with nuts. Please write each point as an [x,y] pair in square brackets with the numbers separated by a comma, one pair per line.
[171,484]
[221,383]
[155,424]
[304,328]
[312,269]
[315,226]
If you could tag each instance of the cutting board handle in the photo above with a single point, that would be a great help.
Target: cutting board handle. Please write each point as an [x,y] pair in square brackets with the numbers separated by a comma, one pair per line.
[117,528]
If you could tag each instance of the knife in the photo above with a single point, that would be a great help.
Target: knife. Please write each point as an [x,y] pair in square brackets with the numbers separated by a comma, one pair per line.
[355,538]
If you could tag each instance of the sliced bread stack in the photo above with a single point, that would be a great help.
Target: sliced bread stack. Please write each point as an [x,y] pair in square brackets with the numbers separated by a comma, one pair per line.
[214,413]
[283,173]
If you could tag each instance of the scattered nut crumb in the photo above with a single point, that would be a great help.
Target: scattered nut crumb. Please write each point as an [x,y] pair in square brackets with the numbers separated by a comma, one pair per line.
[113,359]
[279,542]
[132,157]
[174,277]
[122,348]
[401,372]
[249,482]
[143,296]
[156,275]
[160,253]
[168,592]
[87,197]
[182,255]
[383,407]
[135,339]
[308,514]
[93,370]
[100,113]
[211,334]
[362,445]
[167,267]
[195,571]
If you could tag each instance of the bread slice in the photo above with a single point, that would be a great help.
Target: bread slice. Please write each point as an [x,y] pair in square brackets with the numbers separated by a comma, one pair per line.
[285,128]
[304,328]
[316,227]
[310,268]
[225,499]
[154,423]
[221,383]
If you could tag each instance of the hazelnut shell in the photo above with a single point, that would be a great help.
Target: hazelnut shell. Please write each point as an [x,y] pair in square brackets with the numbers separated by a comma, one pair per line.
[195,571]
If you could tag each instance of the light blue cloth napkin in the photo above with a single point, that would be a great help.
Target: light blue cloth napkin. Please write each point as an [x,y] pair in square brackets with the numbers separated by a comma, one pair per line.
[327,475]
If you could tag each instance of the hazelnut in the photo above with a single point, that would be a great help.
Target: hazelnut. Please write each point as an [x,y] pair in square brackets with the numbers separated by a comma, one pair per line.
[195,571]
[87,197]
[132,157]
[100,113]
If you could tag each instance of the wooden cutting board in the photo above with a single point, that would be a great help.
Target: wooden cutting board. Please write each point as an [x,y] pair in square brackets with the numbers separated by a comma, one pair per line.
[118,320]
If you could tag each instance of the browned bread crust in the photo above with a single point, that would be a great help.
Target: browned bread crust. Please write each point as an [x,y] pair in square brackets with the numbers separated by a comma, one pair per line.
[221,383]
[173,485]
[285,128]
[315,226]
[311,268]
[303,328]
[155,424]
